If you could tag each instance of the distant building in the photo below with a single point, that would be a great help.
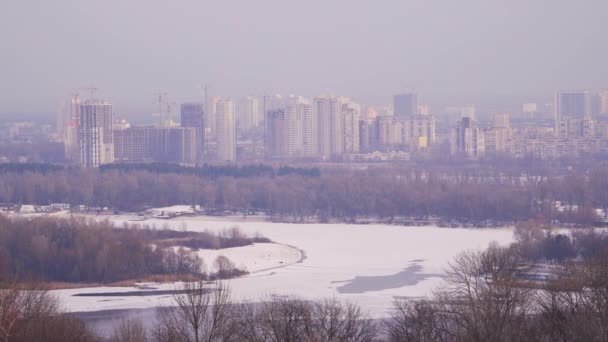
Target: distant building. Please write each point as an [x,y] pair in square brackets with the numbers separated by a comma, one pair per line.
[497,138]
[350,119]
[502,120]
[192,116]
[469,111]
[530,109]
[300,128]
[291,129]
[275,139]
[68,117]
[571,107]
[95,133]
[146,144]
[175,145]
[576,128]
[210,117]
[467,139]
[368,135]
[328,111]
[135,144]
[225,130]
[414,132]
[424,109]
[250,115]
[604,102]
[405,105]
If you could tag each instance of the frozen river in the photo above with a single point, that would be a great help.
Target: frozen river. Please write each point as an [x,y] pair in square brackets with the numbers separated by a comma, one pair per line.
[365,264]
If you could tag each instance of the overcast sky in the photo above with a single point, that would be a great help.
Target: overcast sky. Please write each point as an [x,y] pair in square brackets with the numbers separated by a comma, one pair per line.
[450,50]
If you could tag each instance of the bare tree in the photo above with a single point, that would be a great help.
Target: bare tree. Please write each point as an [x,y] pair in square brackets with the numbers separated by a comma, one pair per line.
[576,306]
[30,313]
[204,312]
[416,320]
[130,330]
[280,319]
[332,320]
[484,299]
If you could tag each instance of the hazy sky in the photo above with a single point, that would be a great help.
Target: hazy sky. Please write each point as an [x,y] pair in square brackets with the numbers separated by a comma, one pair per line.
[450,50]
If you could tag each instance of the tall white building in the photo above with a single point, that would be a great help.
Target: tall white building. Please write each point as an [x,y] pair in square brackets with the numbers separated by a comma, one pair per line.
[328,110]
[350,121]
[300,128]
[95,133]
[210,117]
[291,128]
[225,130]
[67,126]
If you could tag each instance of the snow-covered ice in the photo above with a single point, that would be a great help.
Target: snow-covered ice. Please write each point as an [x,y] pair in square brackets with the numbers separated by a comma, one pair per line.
[253,258]
[334,256]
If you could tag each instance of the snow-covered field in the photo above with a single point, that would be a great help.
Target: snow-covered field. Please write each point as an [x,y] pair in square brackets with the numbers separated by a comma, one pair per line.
[366,264]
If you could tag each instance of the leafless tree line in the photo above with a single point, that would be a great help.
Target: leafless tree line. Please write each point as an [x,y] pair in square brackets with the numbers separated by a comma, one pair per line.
[385,193]
[205,312]
[79,250]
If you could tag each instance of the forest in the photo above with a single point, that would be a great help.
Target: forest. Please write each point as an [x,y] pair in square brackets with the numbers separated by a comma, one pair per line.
[88,251]
[464,194]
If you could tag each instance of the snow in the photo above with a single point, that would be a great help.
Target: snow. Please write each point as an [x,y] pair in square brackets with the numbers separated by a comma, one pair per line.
[334,254]
[254,258]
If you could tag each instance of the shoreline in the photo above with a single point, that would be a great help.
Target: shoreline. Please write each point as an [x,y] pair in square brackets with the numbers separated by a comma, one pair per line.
[140,284]
[135,218]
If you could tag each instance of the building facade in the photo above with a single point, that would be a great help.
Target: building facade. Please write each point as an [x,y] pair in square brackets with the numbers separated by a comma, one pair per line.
[192,116]
[95,133]
[467,139]
[225,130]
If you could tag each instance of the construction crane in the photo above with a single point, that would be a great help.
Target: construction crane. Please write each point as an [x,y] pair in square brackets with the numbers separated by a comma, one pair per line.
[161,99]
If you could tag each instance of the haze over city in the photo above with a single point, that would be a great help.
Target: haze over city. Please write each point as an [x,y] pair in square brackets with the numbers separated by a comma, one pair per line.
[492,53]
[327,171]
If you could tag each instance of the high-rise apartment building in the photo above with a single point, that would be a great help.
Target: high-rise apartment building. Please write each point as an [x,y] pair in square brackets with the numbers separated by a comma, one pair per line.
[350,119]
[192,116]
[225,130]
[368,135]
[328,111]
[405,105]
[497,138]
[300,128]
[95,133]
[68,118]
[275,140]
[467,139]
[572,108]
[291,128]
[210,118]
